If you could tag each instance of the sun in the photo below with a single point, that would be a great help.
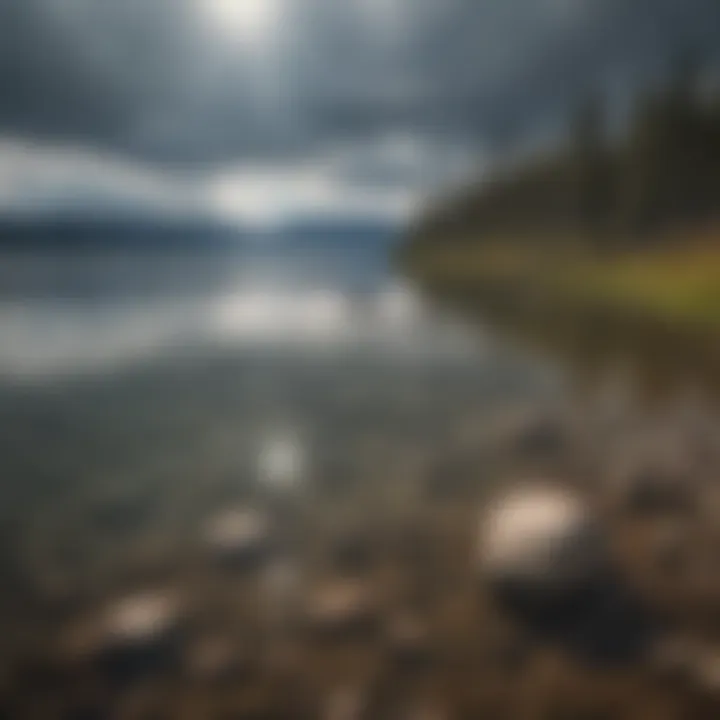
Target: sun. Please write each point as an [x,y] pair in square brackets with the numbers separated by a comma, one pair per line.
[249,20]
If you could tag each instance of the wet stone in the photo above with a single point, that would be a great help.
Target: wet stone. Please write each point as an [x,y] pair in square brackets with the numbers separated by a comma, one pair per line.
[408,641]
[543,557]
[216,658]
[535,434]
[653,491]
[342,606]
[240,538]
[651,486]
[345,704]
[673,658]
[452,477]
[136,636]
[284,659]
[669,549]
[706,671]
[507,654]
[421,710]
[353,553]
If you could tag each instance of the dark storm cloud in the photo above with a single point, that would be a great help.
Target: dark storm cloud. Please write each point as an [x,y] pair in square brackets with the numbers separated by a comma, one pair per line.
[139,75]
[148,78]
[493,70]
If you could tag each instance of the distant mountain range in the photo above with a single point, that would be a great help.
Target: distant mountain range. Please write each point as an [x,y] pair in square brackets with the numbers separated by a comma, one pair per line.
[74,232]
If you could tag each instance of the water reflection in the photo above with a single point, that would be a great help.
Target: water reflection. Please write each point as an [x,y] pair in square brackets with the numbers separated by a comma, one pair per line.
[268,315]
[51,327]
[282,461]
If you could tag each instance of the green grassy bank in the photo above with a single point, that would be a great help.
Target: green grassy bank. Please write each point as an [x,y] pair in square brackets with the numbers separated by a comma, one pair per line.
[677,284]
[658,307]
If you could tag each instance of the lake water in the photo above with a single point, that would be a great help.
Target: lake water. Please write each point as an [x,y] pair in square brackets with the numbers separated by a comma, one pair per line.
[92,314]
[80,314]
[219,444]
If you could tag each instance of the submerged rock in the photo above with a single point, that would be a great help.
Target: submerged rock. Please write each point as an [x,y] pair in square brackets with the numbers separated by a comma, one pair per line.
[683,659]
[673,658]
[407,640]
[141,619]
[239,536]
[280,587]
[647,490]
[706,671]
[342,606]
[132,637]
[354,552]
[216,658]
[669,548]
[654,477]
[345,704]
[530,432]
[281,463]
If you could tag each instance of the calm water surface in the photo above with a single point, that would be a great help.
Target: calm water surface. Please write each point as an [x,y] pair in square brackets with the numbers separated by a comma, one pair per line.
[143,397]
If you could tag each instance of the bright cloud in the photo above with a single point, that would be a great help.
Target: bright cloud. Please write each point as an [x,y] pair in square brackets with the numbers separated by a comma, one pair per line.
[41,178]
[249,21]
[267,195]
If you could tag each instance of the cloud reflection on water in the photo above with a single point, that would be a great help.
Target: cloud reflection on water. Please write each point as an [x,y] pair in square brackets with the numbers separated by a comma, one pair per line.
[46,338]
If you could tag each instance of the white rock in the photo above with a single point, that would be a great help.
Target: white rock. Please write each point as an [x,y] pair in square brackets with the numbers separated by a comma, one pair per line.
[141,618]
[281,462]
[238,532]
[542,536]
[135,624]
[341,604]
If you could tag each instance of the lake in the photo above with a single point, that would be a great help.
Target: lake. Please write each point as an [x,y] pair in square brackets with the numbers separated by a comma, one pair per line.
[215,468]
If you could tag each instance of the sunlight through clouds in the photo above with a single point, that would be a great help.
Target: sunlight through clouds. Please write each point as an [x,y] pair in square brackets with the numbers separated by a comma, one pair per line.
[251,21]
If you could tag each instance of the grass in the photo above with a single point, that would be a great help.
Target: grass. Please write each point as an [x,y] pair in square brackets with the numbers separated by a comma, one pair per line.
[677,285]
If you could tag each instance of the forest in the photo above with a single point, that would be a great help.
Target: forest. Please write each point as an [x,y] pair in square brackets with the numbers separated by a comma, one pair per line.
[604,188]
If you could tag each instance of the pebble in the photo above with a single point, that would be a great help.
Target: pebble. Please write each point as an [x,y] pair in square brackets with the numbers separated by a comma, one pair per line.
[342,605]
[239,535]
[408,640]
[345,704]
[132,637]
[540,536]
[214,658]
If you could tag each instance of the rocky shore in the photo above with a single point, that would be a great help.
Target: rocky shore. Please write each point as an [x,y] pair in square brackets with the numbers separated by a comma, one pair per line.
[445,544]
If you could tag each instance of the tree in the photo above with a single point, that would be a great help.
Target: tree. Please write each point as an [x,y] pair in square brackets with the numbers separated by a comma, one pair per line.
[592,169]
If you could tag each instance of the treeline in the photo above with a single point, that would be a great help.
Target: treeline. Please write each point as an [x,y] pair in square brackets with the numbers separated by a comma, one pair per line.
[660,176]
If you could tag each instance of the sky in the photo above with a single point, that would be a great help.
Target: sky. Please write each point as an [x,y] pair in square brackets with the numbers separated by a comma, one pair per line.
[258,110]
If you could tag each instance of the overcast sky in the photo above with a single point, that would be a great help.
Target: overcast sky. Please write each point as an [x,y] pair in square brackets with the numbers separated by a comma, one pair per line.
[260,108]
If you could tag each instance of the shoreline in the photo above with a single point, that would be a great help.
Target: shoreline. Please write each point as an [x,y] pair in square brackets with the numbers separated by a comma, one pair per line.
[657,310]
